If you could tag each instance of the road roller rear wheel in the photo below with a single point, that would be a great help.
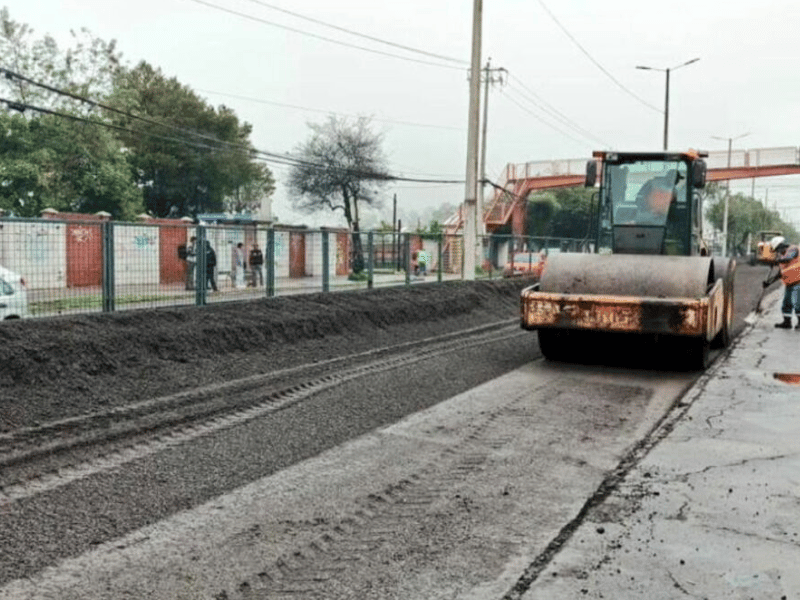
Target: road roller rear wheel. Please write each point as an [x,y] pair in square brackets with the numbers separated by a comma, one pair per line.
[698,355]
[553,344]
[723,338]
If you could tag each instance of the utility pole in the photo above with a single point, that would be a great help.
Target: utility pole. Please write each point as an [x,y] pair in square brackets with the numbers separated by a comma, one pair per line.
[727,192]
[490,76]
[471,192]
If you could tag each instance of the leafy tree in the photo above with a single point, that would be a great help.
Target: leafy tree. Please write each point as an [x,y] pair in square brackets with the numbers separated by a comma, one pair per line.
[746,216]
[540,210]
[49,162]
[54,162]
[86,68]
[248,197]
[431,230]
[561,212]
[435,228]
[385,227]
[340,166]
[187,156]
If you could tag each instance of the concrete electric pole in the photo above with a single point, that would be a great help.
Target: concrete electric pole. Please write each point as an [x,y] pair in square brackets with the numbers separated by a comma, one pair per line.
[490,76]
[471,192]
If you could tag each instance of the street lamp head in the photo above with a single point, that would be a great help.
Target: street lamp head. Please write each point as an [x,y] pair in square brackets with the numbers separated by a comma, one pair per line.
[688,62]
[666,95]
[730,138]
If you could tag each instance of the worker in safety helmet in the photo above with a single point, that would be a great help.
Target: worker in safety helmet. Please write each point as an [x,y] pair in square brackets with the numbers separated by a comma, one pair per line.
[788,259]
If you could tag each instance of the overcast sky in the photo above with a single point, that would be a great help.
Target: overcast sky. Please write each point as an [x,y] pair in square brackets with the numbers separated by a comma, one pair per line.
[572,85]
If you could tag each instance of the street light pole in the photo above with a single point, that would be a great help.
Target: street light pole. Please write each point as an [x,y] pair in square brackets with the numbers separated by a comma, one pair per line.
[727,191]
[666,95]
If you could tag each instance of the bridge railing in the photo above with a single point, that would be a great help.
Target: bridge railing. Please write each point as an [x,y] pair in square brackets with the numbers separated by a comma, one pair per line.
[757,157]
[546,168]
[718,159]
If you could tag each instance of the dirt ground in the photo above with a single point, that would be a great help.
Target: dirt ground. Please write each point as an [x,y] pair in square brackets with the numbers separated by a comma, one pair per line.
[54,368]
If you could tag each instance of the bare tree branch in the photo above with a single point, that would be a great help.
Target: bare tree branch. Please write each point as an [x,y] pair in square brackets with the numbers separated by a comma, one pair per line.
[341,165]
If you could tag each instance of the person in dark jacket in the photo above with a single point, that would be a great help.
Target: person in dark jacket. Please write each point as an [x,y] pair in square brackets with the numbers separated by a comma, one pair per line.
[788,259]
[211,265]
[256,259]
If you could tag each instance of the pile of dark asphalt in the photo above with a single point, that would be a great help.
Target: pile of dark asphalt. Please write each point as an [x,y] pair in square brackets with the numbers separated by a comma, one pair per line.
[59,367]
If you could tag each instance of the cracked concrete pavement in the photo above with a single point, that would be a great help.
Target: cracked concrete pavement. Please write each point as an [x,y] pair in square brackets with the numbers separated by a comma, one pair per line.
[712,510]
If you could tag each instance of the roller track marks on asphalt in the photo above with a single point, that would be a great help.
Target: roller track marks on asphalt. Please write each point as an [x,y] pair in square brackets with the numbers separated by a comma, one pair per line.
[381,523]
[36,460]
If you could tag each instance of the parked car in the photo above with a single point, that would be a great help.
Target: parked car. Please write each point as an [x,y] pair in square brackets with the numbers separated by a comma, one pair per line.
[13,295]
[527,264]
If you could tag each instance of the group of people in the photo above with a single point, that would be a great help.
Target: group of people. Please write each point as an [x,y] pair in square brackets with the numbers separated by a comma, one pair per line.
[239,265]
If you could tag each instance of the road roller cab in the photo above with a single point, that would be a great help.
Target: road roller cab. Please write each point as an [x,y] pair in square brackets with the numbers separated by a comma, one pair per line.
[649,202]
[650,273]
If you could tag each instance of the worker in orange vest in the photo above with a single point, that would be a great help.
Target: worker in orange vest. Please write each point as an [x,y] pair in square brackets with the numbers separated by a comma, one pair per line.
[788,259]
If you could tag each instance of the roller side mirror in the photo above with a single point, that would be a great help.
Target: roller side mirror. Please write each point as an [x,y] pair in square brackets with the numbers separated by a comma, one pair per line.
[591,173]
[699,174]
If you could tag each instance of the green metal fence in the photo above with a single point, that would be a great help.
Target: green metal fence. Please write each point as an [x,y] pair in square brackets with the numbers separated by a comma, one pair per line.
[95,265]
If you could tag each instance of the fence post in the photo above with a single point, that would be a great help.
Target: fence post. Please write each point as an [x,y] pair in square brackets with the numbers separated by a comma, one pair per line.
[201,276]
[270,262]
[440,258]
[370,261]
[325,267]
[107,232]
[399,244]
[407,258]
[463,255]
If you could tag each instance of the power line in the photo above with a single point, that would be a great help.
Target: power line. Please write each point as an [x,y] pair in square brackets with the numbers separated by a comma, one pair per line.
[540,103]
[13,75]
[268,157]
[21,107]
[595,62]
[357,34]
[262,154]
[95,104]
[324,111]
[539,118]
[322,37]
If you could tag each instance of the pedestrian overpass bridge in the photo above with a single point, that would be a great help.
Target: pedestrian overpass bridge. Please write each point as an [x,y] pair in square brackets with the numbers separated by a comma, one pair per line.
[508,204]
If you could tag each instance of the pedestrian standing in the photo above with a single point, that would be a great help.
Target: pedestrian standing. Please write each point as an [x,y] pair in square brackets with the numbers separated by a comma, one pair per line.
[211,265]
[256,260]
[238,266]
[788,260]
[423,258]
[191,262]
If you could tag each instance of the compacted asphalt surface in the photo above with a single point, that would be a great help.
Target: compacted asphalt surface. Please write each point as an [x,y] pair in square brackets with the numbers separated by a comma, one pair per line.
[68,520]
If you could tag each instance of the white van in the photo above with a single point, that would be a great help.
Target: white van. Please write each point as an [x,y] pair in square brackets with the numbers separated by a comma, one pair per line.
[13,295]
